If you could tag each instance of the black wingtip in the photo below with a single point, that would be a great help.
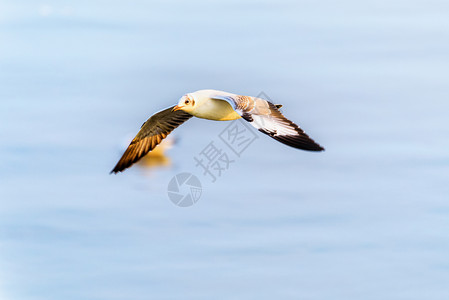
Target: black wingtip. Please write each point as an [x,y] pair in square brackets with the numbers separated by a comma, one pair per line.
[318,148]
[302,141]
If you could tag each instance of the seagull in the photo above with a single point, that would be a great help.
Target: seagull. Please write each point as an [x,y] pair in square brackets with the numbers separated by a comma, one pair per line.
[218,106]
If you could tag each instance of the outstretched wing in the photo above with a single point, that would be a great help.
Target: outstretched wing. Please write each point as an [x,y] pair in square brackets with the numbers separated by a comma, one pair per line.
[152,132]
[267,118]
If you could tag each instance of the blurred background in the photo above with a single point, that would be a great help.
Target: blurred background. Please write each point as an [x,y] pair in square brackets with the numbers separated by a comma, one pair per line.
[366,219]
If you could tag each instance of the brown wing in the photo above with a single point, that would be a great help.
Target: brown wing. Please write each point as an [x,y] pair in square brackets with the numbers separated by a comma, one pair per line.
[267,118]
[274,124]
[299,140]
[152,132]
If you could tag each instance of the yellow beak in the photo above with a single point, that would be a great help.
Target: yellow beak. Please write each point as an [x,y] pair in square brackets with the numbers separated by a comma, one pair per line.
[177,107]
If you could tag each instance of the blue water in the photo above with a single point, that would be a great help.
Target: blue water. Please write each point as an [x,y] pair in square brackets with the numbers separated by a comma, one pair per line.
[366,219]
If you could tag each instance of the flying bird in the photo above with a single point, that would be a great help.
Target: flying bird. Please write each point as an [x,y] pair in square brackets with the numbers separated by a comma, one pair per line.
[217,106]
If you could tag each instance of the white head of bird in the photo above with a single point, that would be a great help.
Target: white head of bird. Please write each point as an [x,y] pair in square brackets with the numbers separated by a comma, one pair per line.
[186,103]
[207,104]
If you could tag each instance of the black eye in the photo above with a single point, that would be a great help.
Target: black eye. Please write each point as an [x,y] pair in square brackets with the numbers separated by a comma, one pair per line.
[187,102]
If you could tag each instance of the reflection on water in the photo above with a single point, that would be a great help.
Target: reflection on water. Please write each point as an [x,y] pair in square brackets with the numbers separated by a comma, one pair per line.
[368,218]
[157,159]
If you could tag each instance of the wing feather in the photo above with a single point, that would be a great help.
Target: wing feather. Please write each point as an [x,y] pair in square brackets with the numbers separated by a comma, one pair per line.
[152,132]
[267,118]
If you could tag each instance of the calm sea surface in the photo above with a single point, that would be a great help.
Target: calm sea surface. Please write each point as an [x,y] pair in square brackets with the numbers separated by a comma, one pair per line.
[366,219]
